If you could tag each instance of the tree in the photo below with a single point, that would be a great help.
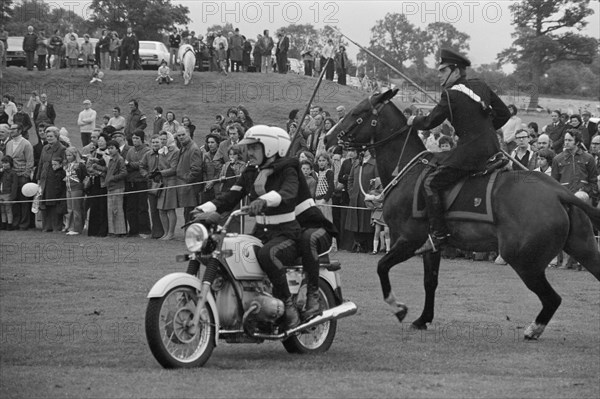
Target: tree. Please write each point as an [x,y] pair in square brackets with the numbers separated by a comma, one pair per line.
[445,35]
[148,18]
[6,11]
[42,15]
[545,34]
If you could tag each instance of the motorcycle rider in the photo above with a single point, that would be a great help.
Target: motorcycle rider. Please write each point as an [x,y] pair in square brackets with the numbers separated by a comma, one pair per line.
[272,182]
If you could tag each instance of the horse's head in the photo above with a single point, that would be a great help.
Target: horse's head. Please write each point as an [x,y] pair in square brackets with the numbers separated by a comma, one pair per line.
[358,128]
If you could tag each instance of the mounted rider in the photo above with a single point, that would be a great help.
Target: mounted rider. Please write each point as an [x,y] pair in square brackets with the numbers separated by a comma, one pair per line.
[272,182]
[475,112]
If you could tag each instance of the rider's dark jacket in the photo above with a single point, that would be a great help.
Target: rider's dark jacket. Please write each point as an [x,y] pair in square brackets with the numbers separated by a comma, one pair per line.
[475,112]
[279,190]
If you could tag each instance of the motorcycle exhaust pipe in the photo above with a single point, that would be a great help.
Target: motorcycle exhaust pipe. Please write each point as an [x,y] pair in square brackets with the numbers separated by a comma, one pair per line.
[344,310]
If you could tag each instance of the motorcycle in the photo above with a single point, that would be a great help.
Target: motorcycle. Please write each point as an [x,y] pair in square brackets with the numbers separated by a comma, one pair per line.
[231,300]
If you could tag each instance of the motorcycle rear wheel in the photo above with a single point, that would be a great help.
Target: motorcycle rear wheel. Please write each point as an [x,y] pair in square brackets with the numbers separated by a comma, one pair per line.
[168,331]
[319,338]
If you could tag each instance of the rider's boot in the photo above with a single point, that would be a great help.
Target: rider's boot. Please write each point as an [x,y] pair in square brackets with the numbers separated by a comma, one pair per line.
[292,317]
[440,234]
[313,306]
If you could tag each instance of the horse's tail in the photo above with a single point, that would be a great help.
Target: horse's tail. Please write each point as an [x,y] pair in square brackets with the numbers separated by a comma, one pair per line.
[566,197]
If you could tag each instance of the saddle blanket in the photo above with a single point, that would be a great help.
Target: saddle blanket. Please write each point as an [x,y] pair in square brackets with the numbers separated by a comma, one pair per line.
[469,200]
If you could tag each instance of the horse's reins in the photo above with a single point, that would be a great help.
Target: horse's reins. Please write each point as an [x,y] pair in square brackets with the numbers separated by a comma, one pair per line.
[375,110]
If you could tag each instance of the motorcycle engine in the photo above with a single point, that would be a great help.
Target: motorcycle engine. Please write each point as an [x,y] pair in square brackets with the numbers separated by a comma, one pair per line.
[268,308]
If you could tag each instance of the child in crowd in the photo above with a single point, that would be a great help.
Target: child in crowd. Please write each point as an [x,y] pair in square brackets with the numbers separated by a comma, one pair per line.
[164,73]
[9,183]
[544,161]
[374,201]
[115,184]
[55,195]
[75,176]
[97,74]
[222,58]
[445,143]
[307,169]
[324,190]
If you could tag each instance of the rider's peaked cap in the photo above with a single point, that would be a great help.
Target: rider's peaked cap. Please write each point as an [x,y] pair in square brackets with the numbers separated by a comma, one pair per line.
[450,57]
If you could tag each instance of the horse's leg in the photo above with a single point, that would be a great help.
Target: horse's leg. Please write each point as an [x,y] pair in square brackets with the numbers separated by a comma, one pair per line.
[431,268]
[401,251]
[581,243]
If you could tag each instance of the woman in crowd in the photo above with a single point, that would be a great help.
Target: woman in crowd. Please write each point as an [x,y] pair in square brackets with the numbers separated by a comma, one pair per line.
[211,167]
[75,176]
[244,117]
[96,189]
[54,196]
[113,50]
[233,167]
[171,125]
[167,199]
[358,221]
[308,58]
[45,176]
[235,132]
[186,122]
[325,186]
[72,53]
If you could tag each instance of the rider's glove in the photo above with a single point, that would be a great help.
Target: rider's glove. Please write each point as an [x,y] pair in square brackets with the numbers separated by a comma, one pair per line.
[257,206]
[197,211]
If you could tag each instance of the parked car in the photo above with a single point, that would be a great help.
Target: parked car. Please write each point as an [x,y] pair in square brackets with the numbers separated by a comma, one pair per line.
[80,41]
[14,53]
[152,53]
[295,66]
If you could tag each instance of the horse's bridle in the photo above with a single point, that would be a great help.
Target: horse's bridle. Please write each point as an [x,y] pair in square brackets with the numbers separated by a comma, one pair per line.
[374,119]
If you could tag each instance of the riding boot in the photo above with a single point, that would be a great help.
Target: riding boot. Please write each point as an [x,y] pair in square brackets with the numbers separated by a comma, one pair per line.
[313,307]
[439,231]
[292,317]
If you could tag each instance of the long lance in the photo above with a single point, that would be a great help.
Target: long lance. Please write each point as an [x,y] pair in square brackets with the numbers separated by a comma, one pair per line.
[415,85]
[409,80]
[307,110]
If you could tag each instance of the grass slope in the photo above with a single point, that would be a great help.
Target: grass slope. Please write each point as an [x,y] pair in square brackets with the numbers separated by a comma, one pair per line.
[268,98]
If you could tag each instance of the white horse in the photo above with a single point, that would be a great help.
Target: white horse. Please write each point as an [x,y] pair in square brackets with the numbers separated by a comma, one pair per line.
[187,57]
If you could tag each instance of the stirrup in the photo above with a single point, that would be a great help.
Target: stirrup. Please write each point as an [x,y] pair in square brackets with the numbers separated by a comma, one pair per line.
[433,244]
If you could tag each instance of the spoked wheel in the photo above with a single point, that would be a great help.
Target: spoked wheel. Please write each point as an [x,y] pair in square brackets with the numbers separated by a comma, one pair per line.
[319,338]
[172,338]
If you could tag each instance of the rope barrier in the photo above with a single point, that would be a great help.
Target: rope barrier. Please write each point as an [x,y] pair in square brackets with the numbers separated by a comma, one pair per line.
[221,179]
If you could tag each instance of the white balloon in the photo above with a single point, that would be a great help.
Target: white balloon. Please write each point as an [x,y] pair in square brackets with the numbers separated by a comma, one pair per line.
[30,189]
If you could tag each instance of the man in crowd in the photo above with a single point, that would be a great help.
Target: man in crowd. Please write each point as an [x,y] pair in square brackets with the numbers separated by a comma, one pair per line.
[174,43]
[591,126]
[44,112]
[281,53]
[135,121]
[117,120]
[267,49]
[29,47]
[86,122]
[129,47]
[189,171]
[21,150]
[23,119]
[137,203]
[556,131]
[159,120]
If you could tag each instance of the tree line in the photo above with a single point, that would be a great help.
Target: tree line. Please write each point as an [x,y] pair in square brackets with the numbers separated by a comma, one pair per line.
[550,53]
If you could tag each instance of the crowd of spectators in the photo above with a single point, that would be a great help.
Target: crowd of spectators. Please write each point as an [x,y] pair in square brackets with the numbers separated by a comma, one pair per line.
[132,171]
[220,51]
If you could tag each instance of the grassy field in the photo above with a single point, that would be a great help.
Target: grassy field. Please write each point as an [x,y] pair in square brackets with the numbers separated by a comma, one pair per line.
[72,317]
[269,98]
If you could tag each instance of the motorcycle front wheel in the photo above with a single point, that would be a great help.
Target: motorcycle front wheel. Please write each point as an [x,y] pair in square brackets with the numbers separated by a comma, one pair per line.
[171,337]
[319,338]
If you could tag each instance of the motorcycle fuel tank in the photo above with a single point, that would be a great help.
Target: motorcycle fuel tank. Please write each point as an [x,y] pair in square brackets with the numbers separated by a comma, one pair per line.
[243,262]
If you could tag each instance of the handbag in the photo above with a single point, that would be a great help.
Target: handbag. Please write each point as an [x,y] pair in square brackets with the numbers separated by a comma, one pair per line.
[155,187]
[87,183]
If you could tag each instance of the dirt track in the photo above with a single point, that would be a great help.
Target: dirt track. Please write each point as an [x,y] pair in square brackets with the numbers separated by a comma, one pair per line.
[72,326]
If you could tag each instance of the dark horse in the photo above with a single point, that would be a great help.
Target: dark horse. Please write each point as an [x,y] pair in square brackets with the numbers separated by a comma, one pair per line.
[535,216]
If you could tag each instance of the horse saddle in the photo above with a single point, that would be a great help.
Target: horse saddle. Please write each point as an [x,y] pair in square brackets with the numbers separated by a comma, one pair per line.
[470,199]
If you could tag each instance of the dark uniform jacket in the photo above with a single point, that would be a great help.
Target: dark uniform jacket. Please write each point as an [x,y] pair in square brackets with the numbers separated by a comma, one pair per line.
[475,124]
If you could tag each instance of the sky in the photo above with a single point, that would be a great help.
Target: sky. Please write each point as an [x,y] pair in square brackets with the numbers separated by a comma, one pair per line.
[488,23]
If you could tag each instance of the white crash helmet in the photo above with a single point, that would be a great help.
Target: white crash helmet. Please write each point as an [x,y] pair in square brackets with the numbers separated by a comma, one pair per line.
[274,139]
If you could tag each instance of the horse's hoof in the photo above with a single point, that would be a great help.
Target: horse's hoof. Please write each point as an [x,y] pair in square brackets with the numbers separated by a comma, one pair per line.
[533,331]
[401,313]
[418,326]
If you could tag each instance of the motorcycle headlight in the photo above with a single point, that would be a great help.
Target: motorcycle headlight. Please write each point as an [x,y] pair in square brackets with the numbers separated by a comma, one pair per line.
[195,237]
